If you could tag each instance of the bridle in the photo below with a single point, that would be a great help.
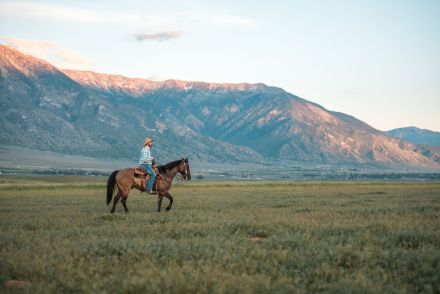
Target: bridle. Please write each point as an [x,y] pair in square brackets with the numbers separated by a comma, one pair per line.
[185,172]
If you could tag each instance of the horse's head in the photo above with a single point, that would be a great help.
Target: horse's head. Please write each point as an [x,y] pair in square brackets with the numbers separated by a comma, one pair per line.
[184,169]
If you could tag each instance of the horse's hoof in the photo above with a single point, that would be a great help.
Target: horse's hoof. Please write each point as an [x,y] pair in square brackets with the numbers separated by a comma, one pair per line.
[168,208]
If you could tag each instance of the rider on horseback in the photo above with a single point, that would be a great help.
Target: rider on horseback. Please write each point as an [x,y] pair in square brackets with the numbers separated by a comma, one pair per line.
[146,161]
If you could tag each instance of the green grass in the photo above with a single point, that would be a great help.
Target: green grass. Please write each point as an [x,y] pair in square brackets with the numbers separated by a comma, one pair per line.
[57,233]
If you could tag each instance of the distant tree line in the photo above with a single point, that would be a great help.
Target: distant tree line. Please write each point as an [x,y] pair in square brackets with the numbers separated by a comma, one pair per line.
[70,172]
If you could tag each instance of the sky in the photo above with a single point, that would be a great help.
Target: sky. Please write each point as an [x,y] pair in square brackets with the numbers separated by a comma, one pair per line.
[376,60]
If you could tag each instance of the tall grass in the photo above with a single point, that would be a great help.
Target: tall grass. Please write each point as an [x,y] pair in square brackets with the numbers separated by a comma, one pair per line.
[222,237]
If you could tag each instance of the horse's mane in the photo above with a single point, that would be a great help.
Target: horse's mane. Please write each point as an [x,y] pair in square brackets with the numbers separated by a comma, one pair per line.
[164,167]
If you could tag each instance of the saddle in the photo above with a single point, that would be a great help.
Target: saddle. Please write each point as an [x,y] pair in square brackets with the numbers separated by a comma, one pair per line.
[141,173]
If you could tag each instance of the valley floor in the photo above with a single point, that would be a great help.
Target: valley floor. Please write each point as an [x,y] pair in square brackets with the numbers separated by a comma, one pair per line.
[57,235]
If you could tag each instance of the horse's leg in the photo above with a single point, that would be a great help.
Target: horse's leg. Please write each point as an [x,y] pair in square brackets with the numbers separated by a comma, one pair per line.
[170,198]
[124,202]
[159,201]
[116,199]
[125,191]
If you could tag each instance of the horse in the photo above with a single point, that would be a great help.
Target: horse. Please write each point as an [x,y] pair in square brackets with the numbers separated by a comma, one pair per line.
[125,180]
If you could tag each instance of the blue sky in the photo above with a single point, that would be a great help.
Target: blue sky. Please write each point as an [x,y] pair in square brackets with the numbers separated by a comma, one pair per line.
[376,60]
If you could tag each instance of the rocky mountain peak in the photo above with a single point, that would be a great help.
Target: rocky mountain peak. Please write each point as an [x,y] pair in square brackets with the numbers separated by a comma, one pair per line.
[139,86]
[12,59]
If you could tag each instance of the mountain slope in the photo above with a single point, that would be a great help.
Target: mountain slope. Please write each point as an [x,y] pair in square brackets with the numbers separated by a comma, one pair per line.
[44,109]
[415,135]
[269,120]
[107,115]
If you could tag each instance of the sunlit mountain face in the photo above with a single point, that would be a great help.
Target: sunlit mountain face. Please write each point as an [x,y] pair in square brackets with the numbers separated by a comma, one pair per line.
[417,136]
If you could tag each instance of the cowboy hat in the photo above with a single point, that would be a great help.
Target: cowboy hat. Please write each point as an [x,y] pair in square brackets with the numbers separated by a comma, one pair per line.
[147,140]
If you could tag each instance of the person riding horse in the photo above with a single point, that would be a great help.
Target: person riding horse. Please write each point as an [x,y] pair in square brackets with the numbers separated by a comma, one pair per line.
[125,180]
[146,162]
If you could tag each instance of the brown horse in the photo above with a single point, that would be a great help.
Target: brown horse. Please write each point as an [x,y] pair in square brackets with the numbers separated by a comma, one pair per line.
[125,180]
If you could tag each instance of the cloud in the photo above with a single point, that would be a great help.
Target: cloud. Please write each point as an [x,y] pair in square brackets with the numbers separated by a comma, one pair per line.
[62,13]
[161,36]
[187,16]
[160,25]
[50,51]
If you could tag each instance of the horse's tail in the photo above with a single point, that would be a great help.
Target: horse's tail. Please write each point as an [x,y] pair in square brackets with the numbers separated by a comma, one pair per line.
[111,186]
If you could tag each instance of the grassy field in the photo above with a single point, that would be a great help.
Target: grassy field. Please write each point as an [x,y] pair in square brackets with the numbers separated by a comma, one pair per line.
[234,237]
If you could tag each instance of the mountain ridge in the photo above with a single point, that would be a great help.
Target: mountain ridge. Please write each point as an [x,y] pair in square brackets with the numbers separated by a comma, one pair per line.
[120,81]
[416,135]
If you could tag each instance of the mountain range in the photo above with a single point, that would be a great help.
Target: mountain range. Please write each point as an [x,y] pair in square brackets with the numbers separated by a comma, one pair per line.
[108,116]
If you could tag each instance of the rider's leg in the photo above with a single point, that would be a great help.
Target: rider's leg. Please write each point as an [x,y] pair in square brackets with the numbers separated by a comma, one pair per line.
[150,183]
[147,176]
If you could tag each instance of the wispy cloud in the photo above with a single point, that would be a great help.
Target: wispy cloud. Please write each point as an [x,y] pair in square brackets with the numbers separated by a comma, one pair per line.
[50,51]
[189,16]
[62,13]
[155,26]
[161,36]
